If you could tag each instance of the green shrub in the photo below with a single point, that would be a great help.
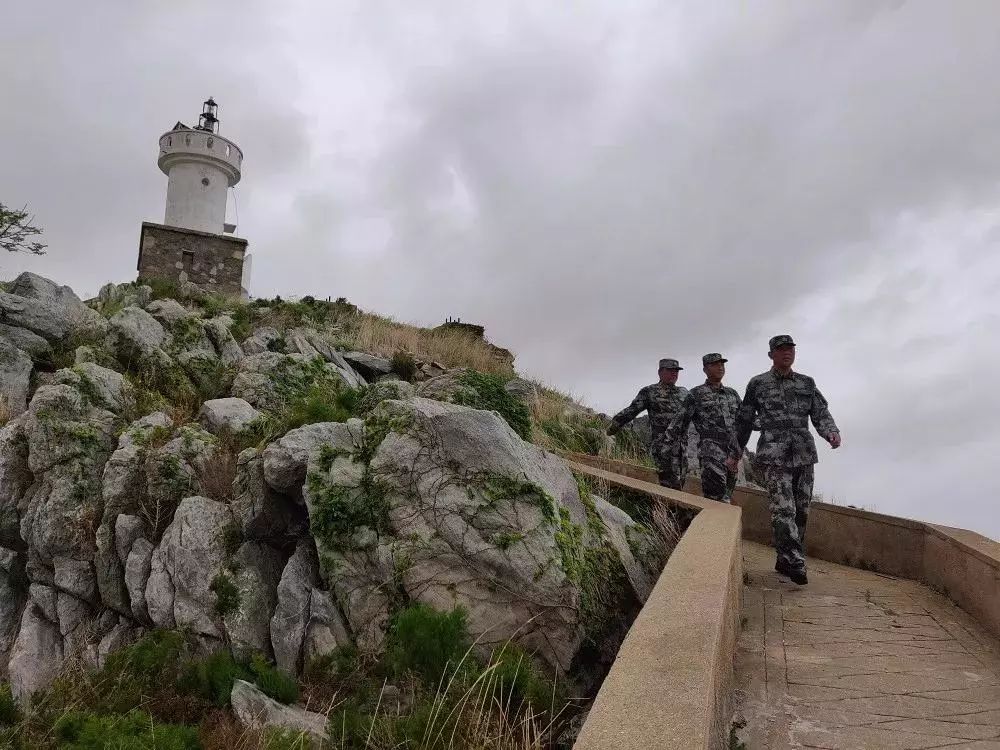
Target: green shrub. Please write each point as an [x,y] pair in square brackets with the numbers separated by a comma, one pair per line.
[339,512]
[404,365]
[211,679]
[272,682]
[492,396]
[149,658]
[429,643]
[322,402]
[242,322]
[162,288]
[342,661]
[136,730]
[575,433]
[519,681]
[286,739]
[227,596]
[9,715]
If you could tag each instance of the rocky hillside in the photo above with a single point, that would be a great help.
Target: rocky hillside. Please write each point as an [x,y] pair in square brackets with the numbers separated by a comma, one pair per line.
[285,484]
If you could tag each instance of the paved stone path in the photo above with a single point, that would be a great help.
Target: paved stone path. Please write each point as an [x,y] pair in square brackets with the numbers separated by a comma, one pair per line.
[860,660]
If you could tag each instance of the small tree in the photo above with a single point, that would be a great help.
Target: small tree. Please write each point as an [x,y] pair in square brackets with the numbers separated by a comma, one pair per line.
[16,229]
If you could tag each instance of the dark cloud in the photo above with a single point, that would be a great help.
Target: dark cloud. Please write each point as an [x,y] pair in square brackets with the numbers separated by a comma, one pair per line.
[600,184]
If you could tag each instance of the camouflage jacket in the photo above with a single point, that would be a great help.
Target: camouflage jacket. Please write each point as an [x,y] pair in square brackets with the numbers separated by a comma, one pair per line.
[784,405]
[663,402]
[713,412]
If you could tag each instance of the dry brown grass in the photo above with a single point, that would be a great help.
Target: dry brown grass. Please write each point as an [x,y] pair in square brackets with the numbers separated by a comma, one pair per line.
[451,348]
[218,472]
[221,731]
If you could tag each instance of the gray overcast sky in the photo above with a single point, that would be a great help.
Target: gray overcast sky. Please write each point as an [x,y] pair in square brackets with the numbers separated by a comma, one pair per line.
[599,183]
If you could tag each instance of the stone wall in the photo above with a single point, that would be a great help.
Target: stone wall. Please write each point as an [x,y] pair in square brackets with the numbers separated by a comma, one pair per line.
[212,261]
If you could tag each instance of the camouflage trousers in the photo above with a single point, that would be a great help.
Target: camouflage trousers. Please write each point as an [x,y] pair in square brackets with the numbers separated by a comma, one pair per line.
[717,482]
[790,492]
[671,469]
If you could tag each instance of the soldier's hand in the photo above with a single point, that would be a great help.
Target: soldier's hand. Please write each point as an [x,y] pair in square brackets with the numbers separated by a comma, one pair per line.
[834,440]
[732,463]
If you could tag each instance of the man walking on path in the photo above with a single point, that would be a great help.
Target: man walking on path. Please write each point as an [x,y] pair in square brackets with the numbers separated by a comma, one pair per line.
[663,401]
[785,401]
[712,407]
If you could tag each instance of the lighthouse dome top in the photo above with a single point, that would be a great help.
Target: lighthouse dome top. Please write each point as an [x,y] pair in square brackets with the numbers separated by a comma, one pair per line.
[185,144]
[201,144]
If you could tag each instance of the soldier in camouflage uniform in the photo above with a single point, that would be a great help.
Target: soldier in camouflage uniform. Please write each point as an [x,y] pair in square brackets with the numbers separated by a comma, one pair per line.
[712,407]
[663,401]
[786,401]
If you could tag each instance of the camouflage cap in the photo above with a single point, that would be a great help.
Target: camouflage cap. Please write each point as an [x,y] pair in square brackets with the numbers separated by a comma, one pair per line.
[710,359]
[669,364]
[781,340]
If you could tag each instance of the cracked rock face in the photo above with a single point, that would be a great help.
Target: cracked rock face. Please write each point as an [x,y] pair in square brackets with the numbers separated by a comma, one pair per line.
[119,514]
[470,515]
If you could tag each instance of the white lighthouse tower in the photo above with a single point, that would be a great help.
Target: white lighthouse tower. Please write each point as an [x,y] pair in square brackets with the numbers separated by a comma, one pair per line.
[195,244]
[201,166]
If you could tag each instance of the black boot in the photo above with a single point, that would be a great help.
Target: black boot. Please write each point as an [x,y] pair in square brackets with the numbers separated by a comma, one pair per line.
[797,575]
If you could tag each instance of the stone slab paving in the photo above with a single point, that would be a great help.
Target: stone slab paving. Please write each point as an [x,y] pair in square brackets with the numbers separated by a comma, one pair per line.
[859,660]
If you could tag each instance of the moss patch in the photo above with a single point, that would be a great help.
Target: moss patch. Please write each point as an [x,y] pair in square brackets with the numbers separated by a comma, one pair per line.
[491,395]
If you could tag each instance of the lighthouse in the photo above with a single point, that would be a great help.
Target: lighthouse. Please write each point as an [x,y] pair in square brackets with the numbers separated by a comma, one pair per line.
[200,166]
[194,244]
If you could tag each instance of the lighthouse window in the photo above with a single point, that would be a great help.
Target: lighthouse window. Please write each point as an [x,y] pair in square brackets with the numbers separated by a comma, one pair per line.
[227,150]
[187,140]
[204,181]
[170,140]
[211,141]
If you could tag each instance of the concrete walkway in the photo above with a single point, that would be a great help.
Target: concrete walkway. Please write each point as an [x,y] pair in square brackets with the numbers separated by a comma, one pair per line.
[860,660]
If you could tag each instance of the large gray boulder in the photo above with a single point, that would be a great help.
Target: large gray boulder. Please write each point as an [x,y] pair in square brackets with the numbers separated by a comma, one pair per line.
[123,295]
[15,376]
[312,343]
[45,308]
[255,571]
[457,510]
[190,556]
[231,415]
[255,711]
[104,387]
[15,479]
[37,654]
[219,330]
[448,387]
[263,339]
[306,622]
[138,564]
[11,599]
[270,380]
[368,365]
[23,339]
[144,480]
[168,311]
[260,511]
[285,459]
[138,334]
[385,390]
[69,441]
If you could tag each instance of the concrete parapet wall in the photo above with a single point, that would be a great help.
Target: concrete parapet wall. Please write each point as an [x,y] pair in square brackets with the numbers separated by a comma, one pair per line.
[963,565]
[671,683]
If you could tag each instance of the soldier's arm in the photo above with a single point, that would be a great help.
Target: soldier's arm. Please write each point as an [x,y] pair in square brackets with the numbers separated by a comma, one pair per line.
[679,424]
[821,418]
[735,449]
[629,413]
[745,417]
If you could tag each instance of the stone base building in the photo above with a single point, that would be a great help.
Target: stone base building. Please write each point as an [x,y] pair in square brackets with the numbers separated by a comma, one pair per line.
[214,262]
